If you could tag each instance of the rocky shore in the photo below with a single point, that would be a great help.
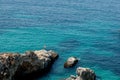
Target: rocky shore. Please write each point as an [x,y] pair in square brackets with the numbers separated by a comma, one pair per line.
[32,64]
[14,66]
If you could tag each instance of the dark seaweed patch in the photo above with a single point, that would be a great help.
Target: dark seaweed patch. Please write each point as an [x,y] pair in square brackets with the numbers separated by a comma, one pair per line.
[69,44]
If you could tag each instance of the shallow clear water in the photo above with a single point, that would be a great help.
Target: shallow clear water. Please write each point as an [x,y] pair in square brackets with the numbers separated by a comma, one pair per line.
[87,29]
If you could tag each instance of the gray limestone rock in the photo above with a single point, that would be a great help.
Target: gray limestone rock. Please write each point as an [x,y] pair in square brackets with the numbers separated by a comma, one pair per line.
[83,74]
[71,61]
[13,65]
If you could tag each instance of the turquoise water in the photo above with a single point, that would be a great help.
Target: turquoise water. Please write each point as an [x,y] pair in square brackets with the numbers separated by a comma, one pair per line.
[87,29]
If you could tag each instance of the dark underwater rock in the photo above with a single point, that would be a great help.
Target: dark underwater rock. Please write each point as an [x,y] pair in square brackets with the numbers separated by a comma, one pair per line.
[69,44]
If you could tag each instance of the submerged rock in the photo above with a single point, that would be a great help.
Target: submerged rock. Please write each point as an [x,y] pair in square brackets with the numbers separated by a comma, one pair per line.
[70,62]
[13,65]
[83,74]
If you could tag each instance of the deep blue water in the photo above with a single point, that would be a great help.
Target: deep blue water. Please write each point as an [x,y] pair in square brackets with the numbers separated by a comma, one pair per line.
[87,29]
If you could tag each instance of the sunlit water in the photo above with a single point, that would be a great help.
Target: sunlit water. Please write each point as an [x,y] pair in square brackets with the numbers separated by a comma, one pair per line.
[87,29]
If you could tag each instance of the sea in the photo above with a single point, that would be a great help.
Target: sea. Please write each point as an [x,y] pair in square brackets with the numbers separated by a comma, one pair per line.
[86,29]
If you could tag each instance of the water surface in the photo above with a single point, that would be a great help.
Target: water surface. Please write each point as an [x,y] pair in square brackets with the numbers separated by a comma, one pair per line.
[87,29]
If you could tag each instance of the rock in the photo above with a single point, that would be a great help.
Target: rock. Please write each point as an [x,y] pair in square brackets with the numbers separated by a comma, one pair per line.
[73,77]
[83,74]
[70,62]
[86,73]
[53,55]
[8,65]
[14,66]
